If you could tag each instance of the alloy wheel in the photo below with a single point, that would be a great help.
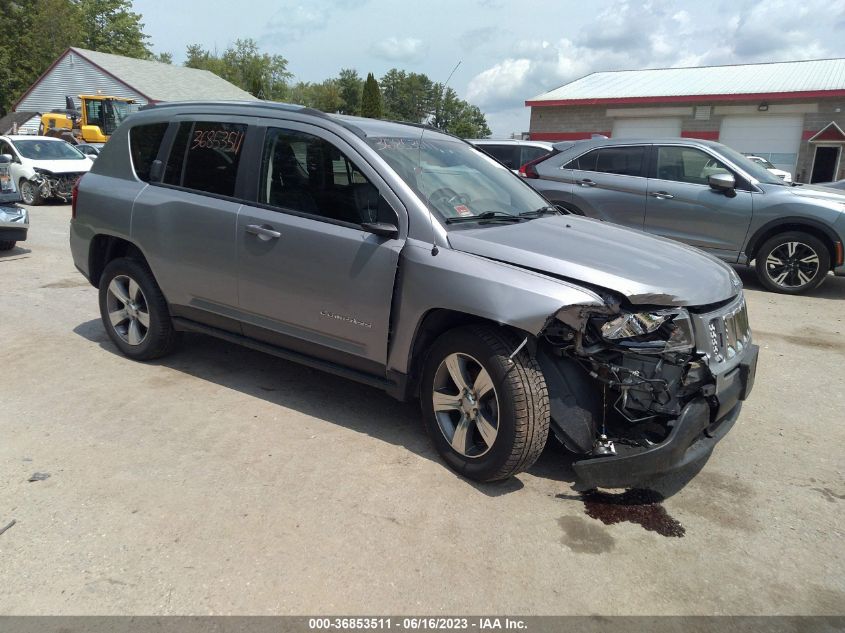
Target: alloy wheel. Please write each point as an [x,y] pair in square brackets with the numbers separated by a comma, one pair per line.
[466,405]
[27,192]
[792,264]
[129,314]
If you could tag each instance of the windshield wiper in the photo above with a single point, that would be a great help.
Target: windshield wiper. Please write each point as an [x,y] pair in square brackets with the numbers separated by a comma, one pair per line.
[487,215]
[536,213]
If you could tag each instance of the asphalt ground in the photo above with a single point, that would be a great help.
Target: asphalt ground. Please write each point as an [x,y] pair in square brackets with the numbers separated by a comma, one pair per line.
[220,480]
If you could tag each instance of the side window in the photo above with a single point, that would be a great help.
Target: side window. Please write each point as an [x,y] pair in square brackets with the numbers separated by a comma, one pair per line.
[687,164]
[305,173]
[585,162]
[624,161]
[205,157]
[144,141]
[506,154]
[530,153]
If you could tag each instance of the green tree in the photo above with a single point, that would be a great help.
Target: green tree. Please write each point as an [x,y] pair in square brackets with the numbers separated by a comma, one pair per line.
[350,85]
[371,105]
[260,74]
[164,58]
[110,26]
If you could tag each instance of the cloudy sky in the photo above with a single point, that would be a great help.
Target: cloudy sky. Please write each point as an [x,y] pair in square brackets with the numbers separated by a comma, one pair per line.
[510,50]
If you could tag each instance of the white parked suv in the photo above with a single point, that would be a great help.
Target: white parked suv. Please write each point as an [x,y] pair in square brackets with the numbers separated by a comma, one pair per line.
[513,153]
[43,167]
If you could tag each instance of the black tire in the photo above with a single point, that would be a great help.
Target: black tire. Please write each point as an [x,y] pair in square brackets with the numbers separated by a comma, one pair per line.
[810,260]
[521,396]
[29,193]
[7,245]
[159,336]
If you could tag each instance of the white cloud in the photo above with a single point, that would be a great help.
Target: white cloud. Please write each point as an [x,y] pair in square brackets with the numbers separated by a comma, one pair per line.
[394,49]
[626,35]
[295,19]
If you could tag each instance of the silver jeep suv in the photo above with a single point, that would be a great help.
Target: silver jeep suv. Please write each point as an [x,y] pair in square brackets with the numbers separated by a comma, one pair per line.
[404,258]
[704,194]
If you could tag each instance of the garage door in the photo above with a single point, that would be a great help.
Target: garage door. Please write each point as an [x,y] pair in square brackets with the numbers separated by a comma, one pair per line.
[775,138]
[646,128]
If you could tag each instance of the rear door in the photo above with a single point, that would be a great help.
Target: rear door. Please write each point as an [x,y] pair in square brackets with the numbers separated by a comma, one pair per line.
[310,278]
[609,183]
[185,221]
[682,205]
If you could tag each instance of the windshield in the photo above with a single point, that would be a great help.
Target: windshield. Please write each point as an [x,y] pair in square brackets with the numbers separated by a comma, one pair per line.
[754,169]
[763,162]
[455,179]
[47,150]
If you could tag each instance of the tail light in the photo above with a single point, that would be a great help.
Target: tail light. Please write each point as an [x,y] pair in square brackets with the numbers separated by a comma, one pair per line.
[529,169]
[73,195]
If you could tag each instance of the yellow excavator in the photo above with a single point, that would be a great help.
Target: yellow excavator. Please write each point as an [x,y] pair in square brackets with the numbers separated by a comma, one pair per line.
[95,121]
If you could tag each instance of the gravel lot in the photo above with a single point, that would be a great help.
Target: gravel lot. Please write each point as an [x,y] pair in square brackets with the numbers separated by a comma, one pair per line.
[220,480]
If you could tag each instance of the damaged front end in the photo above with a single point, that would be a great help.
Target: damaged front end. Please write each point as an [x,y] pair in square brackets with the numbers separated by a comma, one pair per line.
[645,391]
[52,185]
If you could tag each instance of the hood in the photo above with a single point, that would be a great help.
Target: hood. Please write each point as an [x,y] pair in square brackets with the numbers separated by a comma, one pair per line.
[825,194]
[647,270]
[63,166]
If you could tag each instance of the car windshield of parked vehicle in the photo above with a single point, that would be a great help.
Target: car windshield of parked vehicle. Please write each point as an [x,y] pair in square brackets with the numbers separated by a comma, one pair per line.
[755,170]
[458,181]
[763,162]
[35,149]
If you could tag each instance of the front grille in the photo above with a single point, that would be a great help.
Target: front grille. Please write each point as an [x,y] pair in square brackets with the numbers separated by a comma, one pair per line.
[729,333]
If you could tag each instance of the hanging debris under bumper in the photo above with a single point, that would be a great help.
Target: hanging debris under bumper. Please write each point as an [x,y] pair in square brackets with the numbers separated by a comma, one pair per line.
[692,436]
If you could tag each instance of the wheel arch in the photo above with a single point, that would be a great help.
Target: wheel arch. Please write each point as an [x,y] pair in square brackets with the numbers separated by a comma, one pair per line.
[806,225]
[105,248]
[431,326]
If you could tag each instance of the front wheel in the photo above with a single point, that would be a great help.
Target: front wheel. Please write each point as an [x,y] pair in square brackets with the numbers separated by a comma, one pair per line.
[134,310]
[792,262]
[29,193]
[488,416]
[7,245]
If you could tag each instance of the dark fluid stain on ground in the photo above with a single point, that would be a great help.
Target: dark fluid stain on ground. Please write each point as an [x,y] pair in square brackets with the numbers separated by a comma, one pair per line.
[585,537]
[635,506]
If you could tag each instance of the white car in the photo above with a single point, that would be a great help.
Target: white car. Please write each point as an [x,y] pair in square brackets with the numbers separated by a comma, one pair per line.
[43,167]
[511,152]
[780,173]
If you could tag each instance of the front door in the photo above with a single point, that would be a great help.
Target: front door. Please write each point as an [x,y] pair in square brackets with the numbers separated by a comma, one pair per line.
[682,206]
[310,278]
[825,163]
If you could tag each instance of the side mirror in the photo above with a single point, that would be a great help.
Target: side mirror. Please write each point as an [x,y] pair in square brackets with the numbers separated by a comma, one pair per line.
[722,182]
[5,159]
[382,229]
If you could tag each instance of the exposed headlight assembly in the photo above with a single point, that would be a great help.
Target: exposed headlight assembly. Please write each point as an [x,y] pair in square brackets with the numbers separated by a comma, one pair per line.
[654,332]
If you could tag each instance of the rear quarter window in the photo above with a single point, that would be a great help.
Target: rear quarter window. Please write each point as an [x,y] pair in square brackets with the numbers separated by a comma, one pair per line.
[144,141]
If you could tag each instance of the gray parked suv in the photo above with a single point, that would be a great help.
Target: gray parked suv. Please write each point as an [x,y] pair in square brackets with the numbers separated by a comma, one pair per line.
[406,259]
[704,194]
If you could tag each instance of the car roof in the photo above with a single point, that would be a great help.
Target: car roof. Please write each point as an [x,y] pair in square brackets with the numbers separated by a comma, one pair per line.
[360,126]
[603,142]
[31,137]
[508,141]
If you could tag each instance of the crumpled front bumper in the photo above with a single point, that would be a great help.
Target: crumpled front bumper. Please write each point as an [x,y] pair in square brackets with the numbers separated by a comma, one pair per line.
[692,436]
[14,223]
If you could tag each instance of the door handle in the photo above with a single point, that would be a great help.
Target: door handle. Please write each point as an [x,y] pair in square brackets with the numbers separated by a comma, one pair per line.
[263,232]
[662,195]
[587,183]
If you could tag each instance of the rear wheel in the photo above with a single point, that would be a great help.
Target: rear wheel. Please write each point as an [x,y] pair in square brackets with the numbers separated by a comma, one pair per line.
[29,193]
[792,262]
[487,416]
[7,245]
[134,310]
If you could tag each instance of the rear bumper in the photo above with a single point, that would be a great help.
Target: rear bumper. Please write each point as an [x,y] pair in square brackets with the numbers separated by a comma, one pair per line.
[14,223]
[692,438]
